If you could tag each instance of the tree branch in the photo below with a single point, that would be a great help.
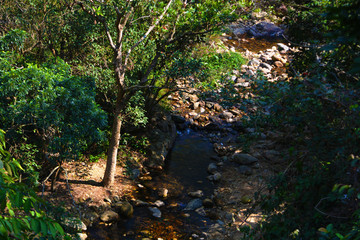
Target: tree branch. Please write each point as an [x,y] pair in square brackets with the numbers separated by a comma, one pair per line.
[100,19]
[148,31]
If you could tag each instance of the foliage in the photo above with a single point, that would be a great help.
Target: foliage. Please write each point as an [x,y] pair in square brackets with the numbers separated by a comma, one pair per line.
[53,109]
[22,212]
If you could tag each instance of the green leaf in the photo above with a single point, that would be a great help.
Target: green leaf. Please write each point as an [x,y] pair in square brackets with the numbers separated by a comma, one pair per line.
[59,228]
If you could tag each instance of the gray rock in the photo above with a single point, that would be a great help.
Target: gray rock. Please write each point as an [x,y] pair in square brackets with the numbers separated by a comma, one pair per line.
[109,216]
[196,194]
[125,209]
[245,170]
[193,204]
[243,159]
[212,168]
[265,30]
[155,212]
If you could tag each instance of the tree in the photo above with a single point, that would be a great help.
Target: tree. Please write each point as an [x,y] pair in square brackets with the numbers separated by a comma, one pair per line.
[144,37]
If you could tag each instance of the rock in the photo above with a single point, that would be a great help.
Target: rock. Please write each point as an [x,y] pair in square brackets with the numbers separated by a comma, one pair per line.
[218,107]
[226,115]
[254,62]
[196,194]
[107,200]
[245,199]
[245,170]
[178,119]
[209,105]
[195,105]
[266,65]
[159,203]
[211,127]
[243,84]
[215,177]
[155,212]
[82,236]
[109,216]
[278,64]
[282,46]
[265,30]
[125,209]
[193,98]
[163,192]
[273,155]
[212,168]
[193,204]
[258,15]
[279,58]
[201,211]
[243,159]
[140,203]
[73,224]
[208,203]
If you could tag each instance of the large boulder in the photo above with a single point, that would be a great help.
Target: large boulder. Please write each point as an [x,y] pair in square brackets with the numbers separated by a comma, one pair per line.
[265,30]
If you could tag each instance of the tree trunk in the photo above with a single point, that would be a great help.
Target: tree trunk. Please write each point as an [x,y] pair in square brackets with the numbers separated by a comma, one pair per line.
[113,150]
[114,142]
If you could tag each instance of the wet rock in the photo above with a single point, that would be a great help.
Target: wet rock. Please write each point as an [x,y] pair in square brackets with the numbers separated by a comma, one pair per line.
[109,216]
[193,204]
[243,159]
[125,209]
[196,194]
[215,177]
[212,168]
[208,203]
[245,170]
[155,212]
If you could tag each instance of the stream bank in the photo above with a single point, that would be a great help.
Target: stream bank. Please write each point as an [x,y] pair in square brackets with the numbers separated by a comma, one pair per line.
[202,193]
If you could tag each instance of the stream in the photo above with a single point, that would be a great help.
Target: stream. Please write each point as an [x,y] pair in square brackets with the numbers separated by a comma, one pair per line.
[185,171]
[162,197]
